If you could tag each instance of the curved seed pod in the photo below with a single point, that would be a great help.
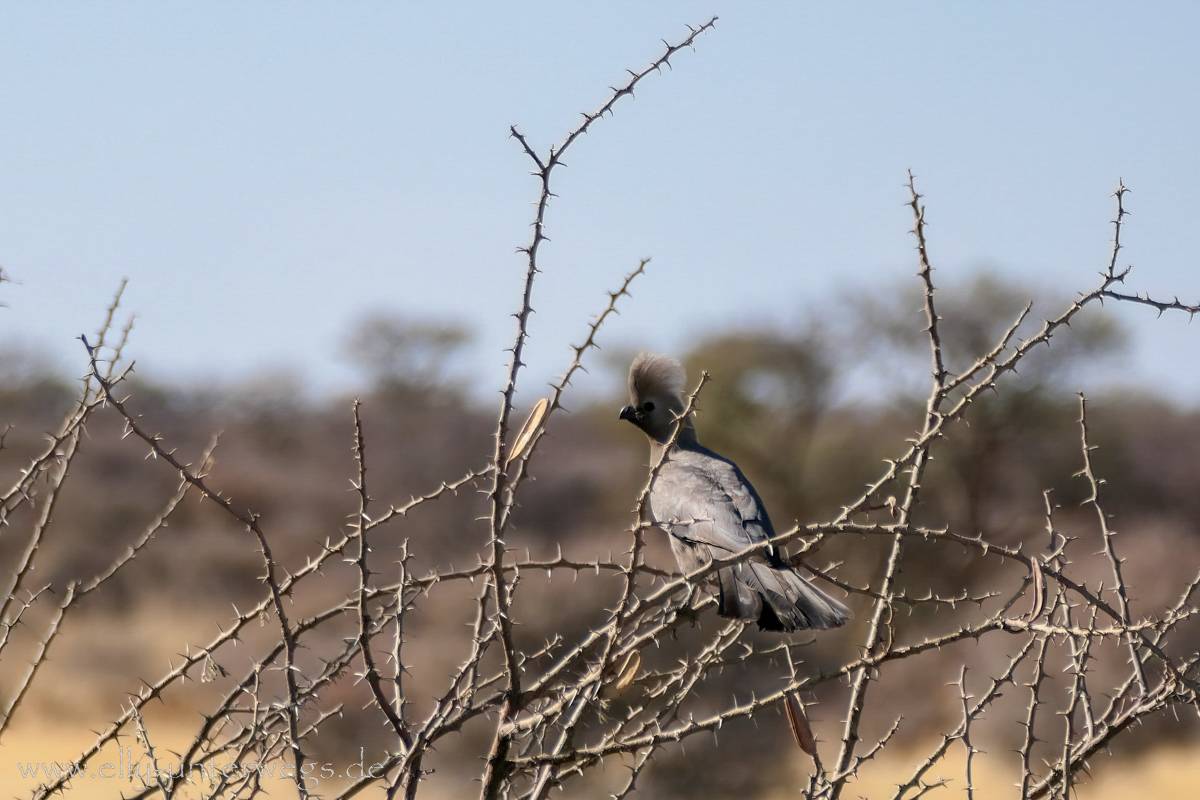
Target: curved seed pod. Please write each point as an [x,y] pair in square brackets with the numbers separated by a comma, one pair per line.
[533,424]
[624,677]
[799,725]
[1039,590]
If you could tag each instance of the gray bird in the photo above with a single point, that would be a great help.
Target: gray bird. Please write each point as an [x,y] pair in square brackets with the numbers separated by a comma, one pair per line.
[709,510]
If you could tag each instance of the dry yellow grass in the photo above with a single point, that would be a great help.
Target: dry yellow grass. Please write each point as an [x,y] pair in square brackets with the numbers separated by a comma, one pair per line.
[41,744]
[1168,773]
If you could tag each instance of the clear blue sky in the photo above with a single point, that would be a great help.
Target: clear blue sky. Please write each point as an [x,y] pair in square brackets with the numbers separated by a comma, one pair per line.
[264,173]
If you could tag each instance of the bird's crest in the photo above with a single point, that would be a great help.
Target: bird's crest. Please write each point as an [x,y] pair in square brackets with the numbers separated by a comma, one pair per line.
[652,375]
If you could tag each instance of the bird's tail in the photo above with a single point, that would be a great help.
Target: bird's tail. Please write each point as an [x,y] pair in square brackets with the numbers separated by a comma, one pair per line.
[777,597]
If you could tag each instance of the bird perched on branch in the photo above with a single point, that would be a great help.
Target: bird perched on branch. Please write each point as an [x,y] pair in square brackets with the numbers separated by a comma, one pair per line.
[710,511]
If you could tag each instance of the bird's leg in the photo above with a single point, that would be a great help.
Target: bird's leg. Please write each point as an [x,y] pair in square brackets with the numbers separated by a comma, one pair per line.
[682,610]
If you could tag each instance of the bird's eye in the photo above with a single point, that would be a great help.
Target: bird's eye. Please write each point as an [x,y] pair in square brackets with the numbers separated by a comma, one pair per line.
[648,406]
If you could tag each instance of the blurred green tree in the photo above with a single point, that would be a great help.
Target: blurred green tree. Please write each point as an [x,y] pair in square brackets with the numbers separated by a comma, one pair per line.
[809,415]
[1015,441]
[406,356]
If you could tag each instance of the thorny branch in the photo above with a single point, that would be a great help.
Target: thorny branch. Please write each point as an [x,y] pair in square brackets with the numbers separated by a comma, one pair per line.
[497,771]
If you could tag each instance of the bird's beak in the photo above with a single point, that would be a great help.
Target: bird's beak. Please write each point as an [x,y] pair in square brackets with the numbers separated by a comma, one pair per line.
[629,413]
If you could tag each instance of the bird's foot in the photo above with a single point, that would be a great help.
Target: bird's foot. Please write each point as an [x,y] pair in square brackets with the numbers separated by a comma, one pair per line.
[681,612]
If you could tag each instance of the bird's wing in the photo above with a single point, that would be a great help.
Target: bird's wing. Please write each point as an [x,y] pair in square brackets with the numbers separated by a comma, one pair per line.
[711,511]
[704,500]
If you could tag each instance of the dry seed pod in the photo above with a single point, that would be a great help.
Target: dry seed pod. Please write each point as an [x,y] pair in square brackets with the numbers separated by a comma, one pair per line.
[533,424]
[624,677]
[1039,592]
[892,507]
[799,724]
